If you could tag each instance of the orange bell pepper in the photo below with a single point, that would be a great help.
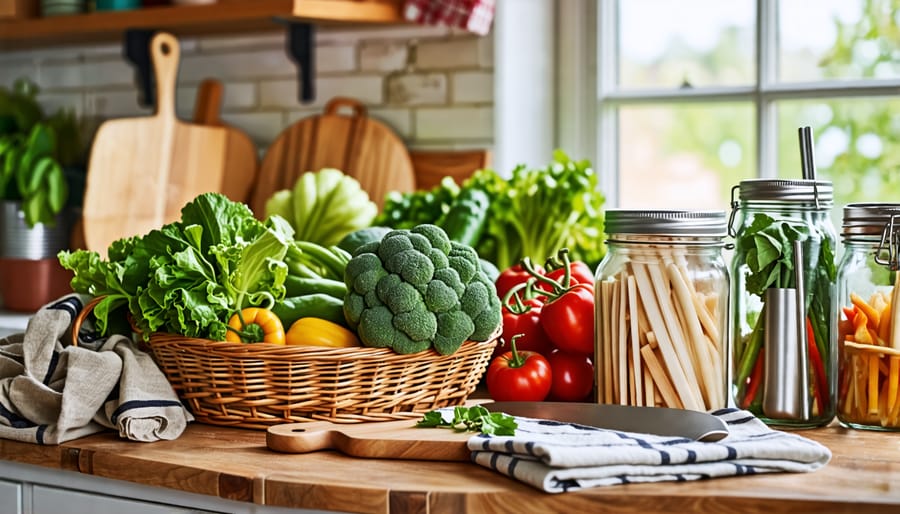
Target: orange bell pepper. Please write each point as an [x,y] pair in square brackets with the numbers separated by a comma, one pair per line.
[255,325]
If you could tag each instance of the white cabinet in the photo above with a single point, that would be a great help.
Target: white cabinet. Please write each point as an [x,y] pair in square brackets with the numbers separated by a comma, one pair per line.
[10,497]
[50,500]
[29,489]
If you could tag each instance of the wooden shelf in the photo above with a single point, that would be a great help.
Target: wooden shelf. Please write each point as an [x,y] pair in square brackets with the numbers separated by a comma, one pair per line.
[225,16]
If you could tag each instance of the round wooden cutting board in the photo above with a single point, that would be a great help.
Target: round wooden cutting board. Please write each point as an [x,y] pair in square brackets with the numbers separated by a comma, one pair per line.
[355,144]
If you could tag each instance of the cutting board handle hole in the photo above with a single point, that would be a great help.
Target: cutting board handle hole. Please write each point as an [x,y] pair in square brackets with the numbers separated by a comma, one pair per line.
[298,430]
[165,49]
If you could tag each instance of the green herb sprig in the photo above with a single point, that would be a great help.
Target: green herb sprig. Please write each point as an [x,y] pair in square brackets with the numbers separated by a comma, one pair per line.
[472,419]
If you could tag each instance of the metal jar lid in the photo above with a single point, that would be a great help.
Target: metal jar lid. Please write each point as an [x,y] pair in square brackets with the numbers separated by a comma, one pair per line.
[786,190]
[868,221]
[682,223]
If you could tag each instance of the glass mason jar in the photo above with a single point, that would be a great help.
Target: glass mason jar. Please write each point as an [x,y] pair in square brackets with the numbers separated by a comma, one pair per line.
[661,300]
[783,274]
[868,343]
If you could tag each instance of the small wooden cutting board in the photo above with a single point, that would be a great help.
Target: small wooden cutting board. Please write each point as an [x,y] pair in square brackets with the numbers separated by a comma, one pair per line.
[241,159]
[143,170]
[382,440]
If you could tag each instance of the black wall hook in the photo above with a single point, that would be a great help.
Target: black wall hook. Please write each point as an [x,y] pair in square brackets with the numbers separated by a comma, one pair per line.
[299,45]
[136,50]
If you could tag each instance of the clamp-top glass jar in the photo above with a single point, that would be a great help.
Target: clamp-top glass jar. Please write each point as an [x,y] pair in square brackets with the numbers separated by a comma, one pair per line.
[783,273]
[662,307]
[868,342]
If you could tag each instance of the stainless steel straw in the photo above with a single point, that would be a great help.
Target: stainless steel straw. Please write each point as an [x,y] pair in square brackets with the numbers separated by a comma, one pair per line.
[807,159]
[803,351]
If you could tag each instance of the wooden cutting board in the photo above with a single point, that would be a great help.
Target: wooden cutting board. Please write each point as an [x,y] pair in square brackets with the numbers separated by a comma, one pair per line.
[382,440]
[143,170]
[241,159]
[355,144]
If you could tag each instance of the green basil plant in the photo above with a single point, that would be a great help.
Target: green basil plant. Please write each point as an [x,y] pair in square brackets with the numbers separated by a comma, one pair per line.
[34,149]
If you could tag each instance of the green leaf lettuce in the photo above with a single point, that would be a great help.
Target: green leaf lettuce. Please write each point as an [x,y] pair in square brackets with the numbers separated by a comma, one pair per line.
[188,277]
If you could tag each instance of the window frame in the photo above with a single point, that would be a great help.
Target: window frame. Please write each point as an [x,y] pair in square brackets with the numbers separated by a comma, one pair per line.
[764,93]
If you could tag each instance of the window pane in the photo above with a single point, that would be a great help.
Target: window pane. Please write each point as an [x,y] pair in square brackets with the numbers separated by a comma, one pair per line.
[838,39]
[857,145]
[685,156]
[660,49]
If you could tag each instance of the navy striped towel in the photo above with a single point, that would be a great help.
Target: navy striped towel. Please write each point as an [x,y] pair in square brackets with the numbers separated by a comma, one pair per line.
[51,392]
[558,457]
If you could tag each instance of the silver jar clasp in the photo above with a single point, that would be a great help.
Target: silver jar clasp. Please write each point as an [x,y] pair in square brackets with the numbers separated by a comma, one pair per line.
[890,245]
[732,232]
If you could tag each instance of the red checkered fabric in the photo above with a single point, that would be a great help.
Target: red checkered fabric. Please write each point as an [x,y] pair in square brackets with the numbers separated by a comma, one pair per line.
[473,15]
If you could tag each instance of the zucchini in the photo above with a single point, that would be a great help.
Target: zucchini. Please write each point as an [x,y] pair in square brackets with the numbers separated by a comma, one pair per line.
[300,286]
[465,220]
[316,305]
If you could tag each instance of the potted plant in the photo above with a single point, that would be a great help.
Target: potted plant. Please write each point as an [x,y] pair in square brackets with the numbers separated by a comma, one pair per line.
[36,209]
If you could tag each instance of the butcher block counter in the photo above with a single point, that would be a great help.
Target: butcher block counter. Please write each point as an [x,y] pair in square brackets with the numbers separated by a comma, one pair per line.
[235,464]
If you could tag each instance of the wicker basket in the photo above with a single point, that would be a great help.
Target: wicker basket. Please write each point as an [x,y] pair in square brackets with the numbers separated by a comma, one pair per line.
[259,385]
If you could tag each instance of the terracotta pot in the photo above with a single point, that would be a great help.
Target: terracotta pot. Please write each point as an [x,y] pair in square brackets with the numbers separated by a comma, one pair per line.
[30,273]
[28,284]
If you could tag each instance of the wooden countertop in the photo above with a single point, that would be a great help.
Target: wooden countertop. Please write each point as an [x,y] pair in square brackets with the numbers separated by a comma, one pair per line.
[863,476]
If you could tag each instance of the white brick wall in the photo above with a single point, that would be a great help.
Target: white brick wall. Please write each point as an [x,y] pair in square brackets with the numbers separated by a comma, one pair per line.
[457,123]
[473,87]
[418,89]
[431,85]
[451,53]
[383,55]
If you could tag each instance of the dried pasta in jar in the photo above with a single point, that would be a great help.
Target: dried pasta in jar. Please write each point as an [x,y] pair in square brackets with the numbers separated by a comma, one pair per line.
[661,303]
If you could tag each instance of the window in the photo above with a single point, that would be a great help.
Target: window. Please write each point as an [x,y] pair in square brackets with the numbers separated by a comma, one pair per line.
[696,95]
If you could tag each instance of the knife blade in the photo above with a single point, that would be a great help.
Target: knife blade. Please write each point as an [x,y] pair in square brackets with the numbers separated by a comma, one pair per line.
[664,421]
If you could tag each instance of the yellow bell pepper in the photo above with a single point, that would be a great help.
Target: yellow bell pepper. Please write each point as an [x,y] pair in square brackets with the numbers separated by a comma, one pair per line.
[320,332]
[255,325]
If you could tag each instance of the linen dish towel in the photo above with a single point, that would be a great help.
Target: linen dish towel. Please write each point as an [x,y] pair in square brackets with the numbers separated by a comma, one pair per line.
[473,15]
[51,392]
[558,457]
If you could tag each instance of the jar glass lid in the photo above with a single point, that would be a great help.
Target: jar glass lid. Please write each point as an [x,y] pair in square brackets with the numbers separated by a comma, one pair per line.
[666,222]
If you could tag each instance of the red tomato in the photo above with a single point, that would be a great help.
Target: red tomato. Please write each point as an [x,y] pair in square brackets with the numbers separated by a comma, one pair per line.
[569,319]
[573,376]
[519,376]
[528,324]
[579,273]
[512,277]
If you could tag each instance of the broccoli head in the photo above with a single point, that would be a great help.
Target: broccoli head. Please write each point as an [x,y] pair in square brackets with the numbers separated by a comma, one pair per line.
[415,289]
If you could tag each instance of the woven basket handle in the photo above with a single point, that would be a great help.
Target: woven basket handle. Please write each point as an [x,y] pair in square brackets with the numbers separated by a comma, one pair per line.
[79,319]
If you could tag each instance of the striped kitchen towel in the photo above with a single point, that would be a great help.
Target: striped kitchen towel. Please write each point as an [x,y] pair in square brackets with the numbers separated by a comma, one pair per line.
[558,457]
[51,392]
